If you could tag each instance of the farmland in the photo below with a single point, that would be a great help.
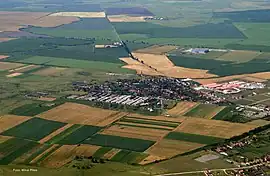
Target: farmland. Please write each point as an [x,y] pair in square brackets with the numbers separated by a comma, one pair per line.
[35,124]
[138,145]
[77,113]
[207,111]
[48,46]
[215,128]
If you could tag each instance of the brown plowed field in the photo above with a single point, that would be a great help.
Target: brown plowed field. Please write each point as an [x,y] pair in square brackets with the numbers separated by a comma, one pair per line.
[58,131]
[135,132]
[49,99]
[81,114]
[181,108]
[6,39]
[13,75]
[8,65]
[216,128]
[67,153]
[43,153]
[9,121]
[168,148]
[156,49]
[13,21]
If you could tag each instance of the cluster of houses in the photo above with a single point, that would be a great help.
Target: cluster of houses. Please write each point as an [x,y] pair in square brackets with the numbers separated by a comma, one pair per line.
[231,87]
[129,100]
[257,111]
[140,91]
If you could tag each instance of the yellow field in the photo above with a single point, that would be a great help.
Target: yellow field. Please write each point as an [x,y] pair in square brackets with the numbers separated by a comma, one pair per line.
[67,153]
[239,56]
[13,21]
[126,18]
[136,132]
[156,49]
[24,68]
[161,65]
[9,121]
[49,99]
[35,160]
[55,133]
[259,122]
[253,79]
[81,114]
[167,148]
[9,65]
[151,159]
[51,71]
[13,75]
[80,14]
[216,128]
[181,108]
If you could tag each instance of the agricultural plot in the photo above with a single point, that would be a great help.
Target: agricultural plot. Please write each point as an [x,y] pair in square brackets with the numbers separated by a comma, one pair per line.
[156,49]
[4,138]
[13,75]
[130,157]
[8,65]
[239,56]
[50,71]
[195,138]
[220,30]
[24,69]
[135,132]
[259,97]
[12,21]
[206,111]
[81,114]
[79,135]
[132,144]
[3,57]
[73,63]
[214,128]
[10,121]
[32,109]
[181,108]
[125,18]
[156,118]
[34,129]
[80,14]
[167,148]
[102,151]
[151,123]
[111,153]
[67,153]
[14,148]
[134,11]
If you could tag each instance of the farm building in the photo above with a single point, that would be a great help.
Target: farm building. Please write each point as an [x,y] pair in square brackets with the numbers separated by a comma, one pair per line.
[199,50]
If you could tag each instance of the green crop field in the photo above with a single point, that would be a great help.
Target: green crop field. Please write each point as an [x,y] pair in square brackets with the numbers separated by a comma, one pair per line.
[63,134]
[193,138]
[34,129]
[80,135]
[72,63]
[37,152]
[150,122]
[101,151]
[14,148]
[32,109]
[130,157]
[137,145]
[202,111]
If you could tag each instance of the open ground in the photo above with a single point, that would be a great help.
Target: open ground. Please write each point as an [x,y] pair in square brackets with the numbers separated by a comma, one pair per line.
[77,113]
[213,128]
